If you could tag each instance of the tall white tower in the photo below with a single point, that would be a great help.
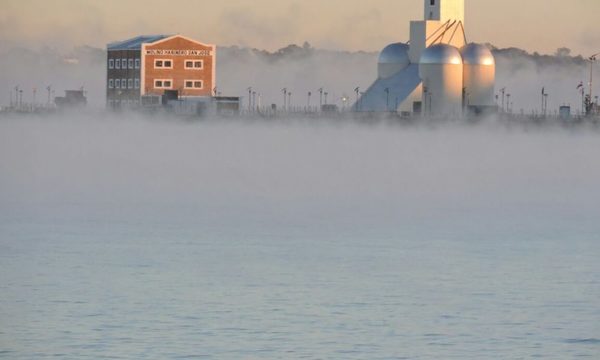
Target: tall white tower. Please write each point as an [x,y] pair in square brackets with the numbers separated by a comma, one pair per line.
[444,10]
[441,17]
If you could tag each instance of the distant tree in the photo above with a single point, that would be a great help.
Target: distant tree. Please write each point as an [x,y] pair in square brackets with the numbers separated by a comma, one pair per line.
[563,52]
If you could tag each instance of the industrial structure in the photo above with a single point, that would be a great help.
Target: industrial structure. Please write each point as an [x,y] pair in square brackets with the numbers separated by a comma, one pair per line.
[154,69]
[437,73]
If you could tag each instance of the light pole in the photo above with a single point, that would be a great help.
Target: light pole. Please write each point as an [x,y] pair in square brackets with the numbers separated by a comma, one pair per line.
[250,99]
[320,99]
[593,59]
[308,101]
[503,91]
[387,99]
[290,100]
[253,100]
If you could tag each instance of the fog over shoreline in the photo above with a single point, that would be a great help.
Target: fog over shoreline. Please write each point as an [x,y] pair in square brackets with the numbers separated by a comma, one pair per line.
[290,168]
[300,69]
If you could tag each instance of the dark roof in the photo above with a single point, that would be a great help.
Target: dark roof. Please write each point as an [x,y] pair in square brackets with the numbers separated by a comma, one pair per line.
[136,42]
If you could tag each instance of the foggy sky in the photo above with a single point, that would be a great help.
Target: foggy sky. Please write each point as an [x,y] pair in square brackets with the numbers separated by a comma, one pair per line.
[539,25]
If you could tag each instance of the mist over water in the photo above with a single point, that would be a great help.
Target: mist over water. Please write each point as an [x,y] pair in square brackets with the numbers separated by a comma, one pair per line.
[136,238]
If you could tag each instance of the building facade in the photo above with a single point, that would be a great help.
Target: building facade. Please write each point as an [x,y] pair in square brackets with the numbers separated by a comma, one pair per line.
[149,66]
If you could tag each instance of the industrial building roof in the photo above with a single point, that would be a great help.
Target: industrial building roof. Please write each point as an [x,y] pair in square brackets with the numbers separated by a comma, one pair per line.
[136,42]
[399,86]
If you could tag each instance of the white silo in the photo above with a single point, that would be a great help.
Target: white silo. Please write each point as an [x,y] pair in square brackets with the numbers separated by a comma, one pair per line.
[441,70]
[393,59]
[479,75]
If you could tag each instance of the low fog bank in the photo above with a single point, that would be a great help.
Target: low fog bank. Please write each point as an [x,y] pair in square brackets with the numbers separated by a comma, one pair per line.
[300,69]
[299,173]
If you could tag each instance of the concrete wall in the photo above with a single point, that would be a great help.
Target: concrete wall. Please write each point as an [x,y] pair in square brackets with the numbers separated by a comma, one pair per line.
[444,10]
[422,36]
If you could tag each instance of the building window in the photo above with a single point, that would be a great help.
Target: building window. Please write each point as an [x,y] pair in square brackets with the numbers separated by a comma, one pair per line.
[130,83]
[194,64]
[432,2]
[117,63]
[163,83]
[123,83]
[118,84]
[130,63]
[123,63]
[163,64]
[137,63]
[137,83]
[111,63]
[193,84]
[111,84]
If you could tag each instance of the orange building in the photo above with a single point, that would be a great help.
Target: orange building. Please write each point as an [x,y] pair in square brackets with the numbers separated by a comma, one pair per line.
[151,65]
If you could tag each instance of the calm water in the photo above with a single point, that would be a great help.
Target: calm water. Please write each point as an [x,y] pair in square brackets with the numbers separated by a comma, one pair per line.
[156,241]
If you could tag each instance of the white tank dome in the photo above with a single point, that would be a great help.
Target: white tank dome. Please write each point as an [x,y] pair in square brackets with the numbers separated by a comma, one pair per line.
[392,59]
[477,54]
[441,54]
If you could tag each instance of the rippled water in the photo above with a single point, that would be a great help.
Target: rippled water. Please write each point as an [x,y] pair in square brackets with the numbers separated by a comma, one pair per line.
[234,242]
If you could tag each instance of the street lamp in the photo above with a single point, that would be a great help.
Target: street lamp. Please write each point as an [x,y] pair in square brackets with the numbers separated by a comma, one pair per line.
[320,98]
[387,99]
[250,99]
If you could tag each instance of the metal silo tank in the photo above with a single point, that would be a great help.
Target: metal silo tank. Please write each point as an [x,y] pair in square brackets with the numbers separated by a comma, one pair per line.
[479,75]
[393,59]
[441,71]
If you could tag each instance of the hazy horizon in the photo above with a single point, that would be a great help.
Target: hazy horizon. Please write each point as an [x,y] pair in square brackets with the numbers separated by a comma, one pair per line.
[269,24]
